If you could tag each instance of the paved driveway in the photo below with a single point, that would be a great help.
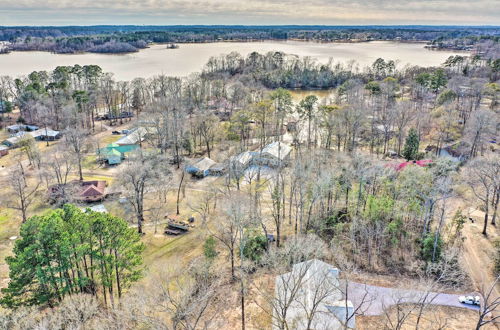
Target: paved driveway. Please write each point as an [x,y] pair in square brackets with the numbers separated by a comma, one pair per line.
[377,298]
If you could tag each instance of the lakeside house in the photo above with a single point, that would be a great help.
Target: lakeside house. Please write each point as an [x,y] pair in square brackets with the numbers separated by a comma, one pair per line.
[312,285]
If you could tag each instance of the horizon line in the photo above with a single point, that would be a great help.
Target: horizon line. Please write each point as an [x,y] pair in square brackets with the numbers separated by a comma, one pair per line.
[258,25]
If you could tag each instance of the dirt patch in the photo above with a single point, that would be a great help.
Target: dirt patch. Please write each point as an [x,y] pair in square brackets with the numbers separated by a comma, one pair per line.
[438,317]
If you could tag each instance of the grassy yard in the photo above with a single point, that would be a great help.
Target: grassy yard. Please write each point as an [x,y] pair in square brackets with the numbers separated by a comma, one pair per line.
[9,226]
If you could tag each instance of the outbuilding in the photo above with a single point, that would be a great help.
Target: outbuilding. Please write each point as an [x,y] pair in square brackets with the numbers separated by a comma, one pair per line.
[218,169]
[4,150]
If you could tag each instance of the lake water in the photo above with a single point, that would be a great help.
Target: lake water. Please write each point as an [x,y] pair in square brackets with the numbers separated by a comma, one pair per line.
[189,58]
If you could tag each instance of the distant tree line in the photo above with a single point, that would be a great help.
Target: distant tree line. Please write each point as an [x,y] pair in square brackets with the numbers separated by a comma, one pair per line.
[120,39]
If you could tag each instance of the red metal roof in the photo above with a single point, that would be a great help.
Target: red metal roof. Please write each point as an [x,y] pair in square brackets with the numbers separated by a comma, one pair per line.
[421,163]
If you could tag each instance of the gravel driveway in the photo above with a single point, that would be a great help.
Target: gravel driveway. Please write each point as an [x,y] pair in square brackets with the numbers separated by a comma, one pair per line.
[377,298]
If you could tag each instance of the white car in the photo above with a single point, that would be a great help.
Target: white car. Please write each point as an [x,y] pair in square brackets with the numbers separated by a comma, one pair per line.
[470,300]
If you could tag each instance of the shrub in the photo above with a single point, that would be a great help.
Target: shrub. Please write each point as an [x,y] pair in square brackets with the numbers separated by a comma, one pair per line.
[255,247]
[497,257]
[428,247]
[209,248]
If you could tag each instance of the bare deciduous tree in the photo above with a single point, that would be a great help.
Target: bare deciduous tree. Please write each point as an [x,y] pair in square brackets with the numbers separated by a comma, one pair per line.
[23,193]
[488,312]
[140,176]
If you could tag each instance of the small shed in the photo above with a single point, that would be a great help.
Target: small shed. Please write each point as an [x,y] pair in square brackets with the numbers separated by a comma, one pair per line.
[200,168]
[218,169]
[4,150]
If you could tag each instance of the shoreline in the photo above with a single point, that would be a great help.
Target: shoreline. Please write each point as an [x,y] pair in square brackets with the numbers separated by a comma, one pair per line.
[350,41]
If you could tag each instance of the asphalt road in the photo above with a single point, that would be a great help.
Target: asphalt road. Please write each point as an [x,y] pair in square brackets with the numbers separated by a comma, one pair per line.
[374,299]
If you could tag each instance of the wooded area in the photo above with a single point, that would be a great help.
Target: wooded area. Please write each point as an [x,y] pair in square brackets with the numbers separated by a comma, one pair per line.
[378,177]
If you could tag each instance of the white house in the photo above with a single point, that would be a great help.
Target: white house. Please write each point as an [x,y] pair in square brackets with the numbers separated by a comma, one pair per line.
[242,161]
[274,154]
[201,168]
[136,136]
[312,298]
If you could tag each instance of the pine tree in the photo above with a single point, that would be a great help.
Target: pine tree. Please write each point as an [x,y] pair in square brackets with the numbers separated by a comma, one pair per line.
[410,151]
[70,251]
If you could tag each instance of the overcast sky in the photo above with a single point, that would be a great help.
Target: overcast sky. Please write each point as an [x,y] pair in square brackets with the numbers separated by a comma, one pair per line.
[326,12]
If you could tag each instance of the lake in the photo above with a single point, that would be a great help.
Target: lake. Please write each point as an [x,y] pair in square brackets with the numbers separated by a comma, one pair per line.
[189,58]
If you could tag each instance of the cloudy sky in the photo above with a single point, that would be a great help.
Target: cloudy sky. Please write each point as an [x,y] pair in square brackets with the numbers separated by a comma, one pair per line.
[327,12]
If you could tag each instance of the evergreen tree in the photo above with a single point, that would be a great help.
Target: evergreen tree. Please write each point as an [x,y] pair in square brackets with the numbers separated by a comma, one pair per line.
[410,151]
[69,251]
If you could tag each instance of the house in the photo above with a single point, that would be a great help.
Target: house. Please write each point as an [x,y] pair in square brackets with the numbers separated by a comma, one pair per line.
[111,156]
[274,155]
[82,191]
[4,150]
[30,128]
[315,292]
[91,191]
[113,153]
[421,163]
[39,135]
[135,136]
[21,127]
[201,168]
[46,134]
[243,160]
[14,140]
[15,128]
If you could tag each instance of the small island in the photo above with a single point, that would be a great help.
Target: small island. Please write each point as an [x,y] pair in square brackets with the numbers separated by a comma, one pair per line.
[172,46]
